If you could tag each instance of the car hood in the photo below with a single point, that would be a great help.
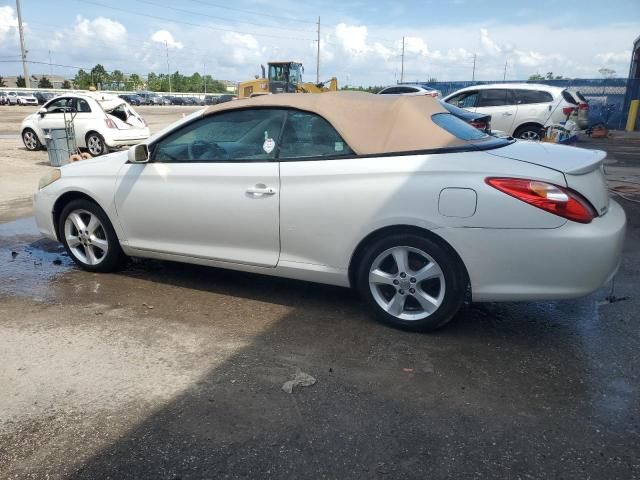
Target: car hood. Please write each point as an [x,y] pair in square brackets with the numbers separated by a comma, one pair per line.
[105,164]
[565,159]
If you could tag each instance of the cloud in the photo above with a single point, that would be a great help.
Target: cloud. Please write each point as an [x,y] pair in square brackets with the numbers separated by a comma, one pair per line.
[8,23]
[490,47]
[614,57]
[165,37]
[352,38]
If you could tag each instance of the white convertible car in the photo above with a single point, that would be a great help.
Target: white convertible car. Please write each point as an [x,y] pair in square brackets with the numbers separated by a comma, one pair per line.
[391,195]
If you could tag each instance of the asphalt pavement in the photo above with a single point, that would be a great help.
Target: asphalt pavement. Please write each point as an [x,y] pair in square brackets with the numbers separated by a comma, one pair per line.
[170,371]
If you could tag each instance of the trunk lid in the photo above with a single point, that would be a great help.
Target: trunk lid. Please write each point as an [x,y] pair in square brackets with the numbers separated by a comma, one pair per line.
[582,168]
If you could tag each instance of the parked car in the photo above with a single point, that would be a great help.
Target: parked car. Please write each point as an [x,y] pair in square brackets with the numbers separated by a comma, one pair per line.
[177,100]
[43,97]
[12,98]
[101,122]
[225,98]
[519,109]
[3,98]
[477,120]
[416,210]
[131,99]
[26,99]
[160,100]
[411,89]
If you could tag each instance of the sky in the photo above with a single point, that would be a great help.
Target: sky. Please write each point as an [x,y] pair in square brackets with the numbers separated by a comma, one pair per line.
[360,41]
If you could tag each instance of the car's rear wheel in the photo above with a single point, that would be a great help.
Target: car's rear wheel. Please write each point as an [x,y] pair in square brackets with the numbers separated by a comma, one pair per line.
[30,140]
[89,237]
[95,144]
[411,281]
[529,132]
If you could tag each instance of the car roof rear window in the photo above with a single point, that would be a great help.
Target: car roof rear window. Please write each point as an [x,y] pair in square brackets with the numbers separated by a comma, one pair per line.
[458,128]
[568,97]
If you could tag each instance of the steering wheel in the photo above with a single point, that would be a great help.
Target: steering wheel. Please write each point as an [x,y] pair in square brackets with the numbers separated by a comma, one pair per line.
[203,150]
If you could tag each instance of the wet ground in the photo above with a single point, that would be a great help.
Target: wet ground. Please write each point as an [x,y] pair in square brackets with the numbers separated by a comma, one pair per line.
[169,371]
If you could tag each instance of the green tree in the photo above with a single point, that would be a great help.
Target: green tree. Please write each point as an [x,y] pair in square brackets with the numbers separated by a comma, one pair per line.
[135,81]
[66,85]
[2,82]
[535,77]
[550,76]
[607,72]
[82,80]
[99,76]
[44,83]
[117,79]
[20,81]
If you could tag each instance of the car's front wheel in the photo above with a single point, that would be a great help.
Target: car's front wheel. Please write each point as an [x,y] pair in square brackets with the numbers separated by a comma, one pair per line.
[95,144]
[89,237]
[30,140]
[411,281]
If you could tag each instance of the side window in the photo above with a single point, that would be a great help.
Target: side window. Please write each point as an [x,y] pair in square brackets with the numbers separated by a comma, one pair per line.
[60,105]
[82,106]
[464,100]
[309,135]
[523,97]
[240,135]
[390,91]
[494,98]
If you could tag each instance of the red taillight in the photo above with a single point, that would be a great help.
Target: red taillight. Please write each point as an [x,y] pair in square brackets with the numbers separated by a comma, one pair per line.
[110,123]
[546,196]
[583,106]
[478,124]
[567,110]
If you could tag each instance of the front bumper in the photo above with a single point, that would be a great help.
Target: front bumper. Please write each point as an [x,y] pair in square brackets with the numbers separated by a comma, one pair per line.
[43,211]
[571,261]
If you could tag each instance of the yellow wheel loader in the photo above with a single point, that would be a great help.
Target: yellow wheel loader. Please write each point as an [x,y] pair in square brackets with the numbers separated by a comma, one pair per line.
[284,77]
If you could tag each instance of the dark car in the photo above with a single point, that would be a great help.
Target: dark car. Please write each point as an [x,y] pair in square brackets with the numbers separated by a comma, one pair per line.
[43,97]
[131,99]
[225,98]
[479,120]
[177,100]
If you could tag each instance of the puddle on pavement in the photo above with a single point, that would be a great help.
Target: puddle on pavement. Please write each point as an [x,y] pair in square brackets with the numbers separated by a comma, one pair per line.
[28,261]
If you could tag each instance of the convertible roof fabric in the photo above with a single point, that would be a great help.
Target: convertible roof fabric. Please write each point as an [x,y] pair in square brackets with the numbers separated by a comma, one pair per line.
[370,124]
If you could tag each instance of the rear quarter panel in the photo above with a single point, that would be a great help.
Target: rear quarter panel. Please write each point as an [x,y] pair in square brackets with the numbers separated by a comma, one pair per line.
[328,206]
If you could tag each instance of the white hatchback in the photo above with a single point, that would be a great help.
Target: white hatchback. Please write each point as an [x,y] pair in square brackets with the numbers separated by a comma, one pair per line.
[519,109]
[101,122]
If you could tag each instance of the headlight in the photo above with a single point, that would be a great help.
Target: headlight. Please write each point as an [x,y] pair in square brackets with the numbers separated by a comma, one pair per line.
[49,178]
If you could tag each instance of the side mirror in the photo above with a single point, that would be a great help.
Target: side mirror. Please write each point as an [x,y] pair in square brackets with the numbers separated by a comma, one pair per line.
[138,153]
[42,111]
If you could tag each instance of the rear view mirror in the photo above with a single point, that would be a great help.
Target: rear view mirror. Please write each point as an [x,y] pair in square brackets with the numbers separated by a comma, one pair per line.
[138,153]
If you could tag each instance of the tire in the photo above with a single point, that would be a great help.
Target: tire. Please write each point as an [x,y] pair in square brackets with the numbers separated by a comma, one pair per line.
[95,144]
[406,301]
[95,247]
[31,140]
[529,132]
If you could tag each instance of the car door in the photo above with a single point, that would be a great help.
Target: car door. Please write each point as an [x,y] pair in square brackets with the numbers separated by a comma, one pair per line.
[54,116]
[85,119]
[210,190]
[498,103]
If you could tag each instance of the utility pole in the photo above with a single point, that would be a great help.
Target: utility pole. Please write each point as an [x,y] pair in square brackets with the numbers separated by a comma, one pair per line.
[318,55]
[473,75]
[204,77]
[166,46]
[504,76]
[23,51]
[402,63]
[50,67]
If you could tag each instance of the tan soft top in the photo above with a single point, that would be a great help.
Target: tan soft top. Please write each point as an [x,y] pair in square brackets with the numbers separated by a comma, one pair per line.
[370,124]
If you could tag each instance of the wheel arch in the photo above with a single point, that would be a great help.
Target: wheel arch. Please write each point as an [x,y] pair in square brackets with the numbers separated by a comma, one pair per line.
[63,200]
[527,124]
[358,253]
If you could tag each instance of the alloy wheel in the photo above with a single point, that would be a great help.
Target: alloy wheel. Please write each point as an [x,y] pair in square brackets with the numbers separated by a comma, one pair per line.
[94,144]
[407,283]
[530,135]
[30,140]
[86,237]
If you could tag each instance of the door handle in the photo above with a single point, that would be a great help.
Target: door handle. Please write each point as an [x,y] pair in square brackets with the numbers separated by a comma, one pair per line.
[261,189]
[507,114]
